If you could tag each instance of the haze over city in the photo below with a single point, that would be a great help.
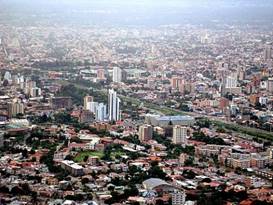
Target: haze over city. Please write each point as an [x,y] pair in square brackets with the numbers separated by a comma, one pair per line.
[136,102]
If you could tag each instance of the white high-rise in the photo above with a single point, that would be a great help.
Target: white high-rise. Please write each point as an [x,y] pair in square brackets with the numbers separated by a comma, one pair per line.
[8,76]
[92,106]
[117,75]
[231,82]
[179,134]
[101,112]
[113,106]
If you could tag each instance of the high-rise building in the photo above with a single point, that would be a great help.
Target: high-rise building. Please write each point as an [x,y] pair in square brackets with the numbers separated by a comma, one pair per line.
[119,75]
[113,106]
[176,82]
[270,85]
[8,76]
[92,106]
[100,74]
[101,112]
[180,134]
[86,101]
[230,82]
[15,108]
[145,132]
[230,85]
[35,92]
[29,84]
[268,52]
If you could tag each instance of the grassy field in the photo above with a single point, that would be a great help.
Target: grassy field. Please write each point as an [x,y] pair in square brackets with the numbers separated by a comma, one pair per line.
[117,153]
[258,133]
[81,155]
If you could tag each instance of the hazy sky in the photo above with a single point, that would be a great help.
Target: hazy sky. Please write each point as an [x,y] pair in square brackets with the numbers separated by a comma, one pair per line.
[130,12]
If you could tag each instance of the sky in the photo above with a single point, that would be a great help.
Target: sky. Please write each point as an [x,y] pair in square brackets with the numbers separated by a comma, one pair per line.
[136,12]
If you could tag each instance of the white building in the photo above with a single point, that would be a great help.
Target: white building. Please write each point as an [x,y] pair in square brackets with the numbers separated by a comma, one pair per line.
[180,134]
[8,76]
[35,92]
[117,75]
[92,106]
[113,106]
[101,112]
[231,82]
[263,100]
[178,197]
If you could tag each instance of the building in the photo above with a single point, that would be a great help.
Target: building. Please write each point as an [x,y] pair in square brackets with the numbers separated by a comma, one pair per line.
[113,106]
[86,101]
[29,85]
[145,132]
[119,75]
[60,102]
[35,92]
[268,52]
[176,82]
[86,116]
[165,121]
[101,126]
[182,158]
[252,181]
[230,82]
[15,108]
[93,160]
[209,150]
[1,139]
[72,167]
[161,187]
[270,85]
[101,112]
[230,85]
[92,106]
[100,74]
[180,134]
[178,197]
[241,163]
[156,184]
[7,76]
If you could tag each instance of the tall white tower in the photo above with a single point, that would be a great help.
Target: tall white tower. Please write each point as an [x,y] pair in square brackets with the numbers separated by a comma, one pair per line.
[113,106]
[101,112]
[117,75]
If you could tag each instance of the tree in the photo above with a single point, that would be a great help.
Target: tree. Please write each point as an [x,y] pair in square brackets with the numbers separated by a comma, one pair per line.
[159,202]
[184,107]
[203,123]
[156,172]
[5,83]
[85,180]
[24,153]
[85,158]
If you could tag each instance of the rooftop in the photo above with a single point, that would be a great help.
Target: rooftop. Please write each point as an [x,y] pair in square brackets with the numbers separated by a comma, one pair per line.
[152,183]
[175,118]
